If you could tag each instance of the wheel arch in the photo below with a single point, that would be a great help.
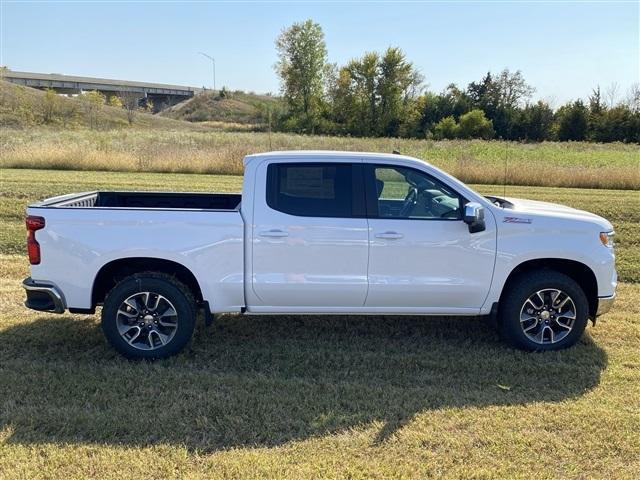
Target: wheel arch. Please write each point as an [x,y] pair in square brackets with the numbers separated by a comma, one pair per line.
[112,272]
[577,271]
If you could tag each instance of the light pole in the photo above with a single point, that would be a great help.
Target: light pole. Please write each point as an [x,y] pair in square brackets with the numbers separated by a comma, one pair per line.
[213,63]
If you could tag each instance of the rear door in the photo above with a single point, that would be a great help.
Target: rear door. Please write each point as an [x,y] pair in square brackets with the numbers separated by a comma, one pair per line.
[310,236]
[422,256]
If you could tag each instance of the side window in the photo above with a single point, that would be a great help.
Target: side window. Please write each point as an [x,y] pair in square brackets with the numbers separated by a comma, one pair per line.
[407,193]
[312,190]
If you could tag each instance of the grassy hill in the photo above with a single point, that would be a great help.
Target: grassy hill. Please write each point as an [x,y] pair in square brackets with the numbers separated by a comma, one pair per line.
[228,107]
[22,107]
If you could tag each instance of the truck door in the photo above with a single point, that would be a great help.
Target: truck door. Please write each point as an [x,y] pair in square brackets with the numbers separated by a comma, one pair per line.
[310,236]
[422,256]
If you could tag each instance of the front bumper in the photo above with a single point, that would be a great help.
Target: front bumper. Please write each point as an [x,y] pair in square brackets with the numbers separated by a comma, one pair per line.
[43,297]
[605,304]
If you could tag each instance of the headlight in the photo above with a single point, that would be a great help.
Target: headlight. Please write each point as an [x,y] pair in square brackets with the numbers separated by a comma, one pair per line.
[607,239]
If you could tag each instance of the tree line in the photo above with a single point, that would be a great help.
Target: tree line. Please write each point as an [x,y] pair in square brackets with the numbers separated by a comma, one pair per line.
[382,94]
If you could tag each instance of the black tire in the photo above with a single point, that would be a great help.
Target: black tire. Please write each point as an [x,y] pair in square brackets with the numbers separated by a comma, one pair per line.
[175,293]
[513,303]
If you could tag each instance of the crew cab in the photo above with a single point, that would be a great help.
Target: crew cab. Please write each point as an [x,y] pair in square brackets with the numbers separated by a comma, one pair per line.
[320,233]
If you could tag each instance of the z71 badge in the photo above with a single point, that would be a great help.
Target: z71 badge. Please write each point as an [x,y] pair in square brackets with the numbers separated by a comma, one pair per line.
[516,220]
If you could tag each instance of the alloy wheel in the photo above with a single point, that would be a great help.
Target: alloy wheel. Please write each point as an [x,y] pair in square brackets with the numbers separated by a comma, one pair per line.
[547,316]
[147,320]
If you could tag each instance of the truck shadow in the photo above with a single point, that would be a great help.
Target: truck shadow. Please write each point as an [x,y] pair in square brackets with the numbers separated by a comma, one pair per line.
[264,381]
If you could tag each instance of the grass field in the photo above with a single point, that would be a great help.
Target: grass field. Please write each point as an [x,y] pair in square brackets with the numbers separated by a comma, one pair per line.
[319,397]
[546,164]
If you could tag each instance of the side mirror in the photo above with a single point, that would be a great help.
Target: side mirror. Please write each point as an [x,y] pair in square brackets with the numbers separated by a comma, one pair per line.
[474,217]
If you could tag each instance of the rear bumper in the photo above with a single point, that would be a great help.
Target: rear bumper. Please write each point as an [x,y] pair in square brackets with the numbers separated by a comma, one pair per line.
[605,304]
[43,297]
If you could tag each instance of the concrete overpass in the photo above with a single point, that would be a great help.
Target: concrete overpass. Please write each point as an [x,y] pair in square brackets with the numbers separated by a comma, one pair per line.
[160,94]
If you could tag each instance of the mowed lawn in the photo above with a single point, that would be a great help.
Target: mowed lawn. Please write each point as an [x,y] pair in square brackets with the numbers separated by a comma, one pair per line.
[314,397]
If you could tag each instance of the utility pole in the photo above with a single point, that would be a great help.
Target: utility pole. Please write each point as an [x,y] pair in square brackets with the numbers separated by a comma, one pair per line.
[213,63]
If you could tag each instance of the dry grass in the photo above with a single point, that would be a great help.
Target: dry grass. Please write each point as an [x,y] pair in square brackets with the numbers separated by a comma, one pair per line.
[221,126]
[614,166]
[168,155]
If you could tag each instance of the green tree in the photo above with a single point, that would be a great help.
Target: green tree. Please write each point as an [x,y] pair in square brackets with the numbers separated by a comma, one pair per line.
[302,67]
[451,102]
[358,86]
[500,98]
[615,124]
[376,95]
[343,108]
[512,88]
[533,123]
[431,112]
[596,104]
[573,121]
[620,123]
[474,124]
[398,84]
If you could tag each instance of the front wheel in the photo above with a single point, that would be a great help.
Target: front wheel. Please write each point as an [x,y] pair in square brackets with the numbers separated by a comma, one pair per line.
[148,316]
[544,310]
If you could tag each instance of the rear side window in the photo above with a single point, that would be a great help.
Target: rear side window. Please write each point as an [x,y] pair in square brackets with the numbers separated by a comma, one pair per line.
[313,190]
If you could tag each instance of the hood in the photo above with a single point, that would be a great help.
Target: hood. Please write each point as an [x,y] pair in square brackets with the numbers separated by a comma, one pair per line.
[522,206]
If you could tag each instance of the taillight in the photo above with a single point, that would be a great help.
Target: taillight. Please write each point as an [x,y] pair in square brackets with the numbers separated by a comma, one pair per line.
[33,247]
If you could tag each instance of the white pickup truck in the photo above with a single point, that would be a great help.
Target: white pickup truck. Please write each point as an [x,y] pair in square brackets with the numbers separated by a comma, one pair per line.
[320,233]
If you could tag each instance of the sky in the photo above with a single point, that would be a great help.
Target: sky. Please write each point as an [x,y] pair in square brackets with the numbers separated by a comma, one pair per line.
[564,49]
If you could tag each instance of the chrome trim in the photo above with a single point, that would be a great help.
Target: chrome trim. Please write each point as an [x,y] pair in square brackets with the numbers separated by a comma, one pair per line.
[605,304]
[56,296]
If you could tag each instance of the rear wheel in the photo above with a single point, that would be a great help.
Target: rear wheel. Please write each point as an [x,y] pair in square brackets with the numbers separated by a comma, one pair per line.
[544,310]
[149,315]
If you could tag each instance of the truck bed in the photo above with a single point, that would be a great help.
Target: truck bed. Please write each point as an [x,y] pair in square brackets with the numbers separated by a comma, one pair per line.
[146,200]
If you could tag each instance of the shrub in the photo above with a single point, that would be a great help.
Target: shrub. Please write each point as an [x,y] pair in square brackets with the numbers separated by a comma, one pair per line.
[50,106]
[92,103]
[445,128]
[474,124]
[114,101]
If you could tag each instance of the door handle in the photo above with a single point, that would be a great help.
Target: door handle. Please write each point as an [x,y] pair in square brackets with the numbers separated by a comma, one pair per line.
[389,235]
[274,233]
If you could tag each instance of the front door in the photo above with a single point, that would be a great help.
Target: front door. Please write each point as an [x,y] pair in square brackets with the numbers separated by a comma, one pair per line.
[422,256]
[310,237]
